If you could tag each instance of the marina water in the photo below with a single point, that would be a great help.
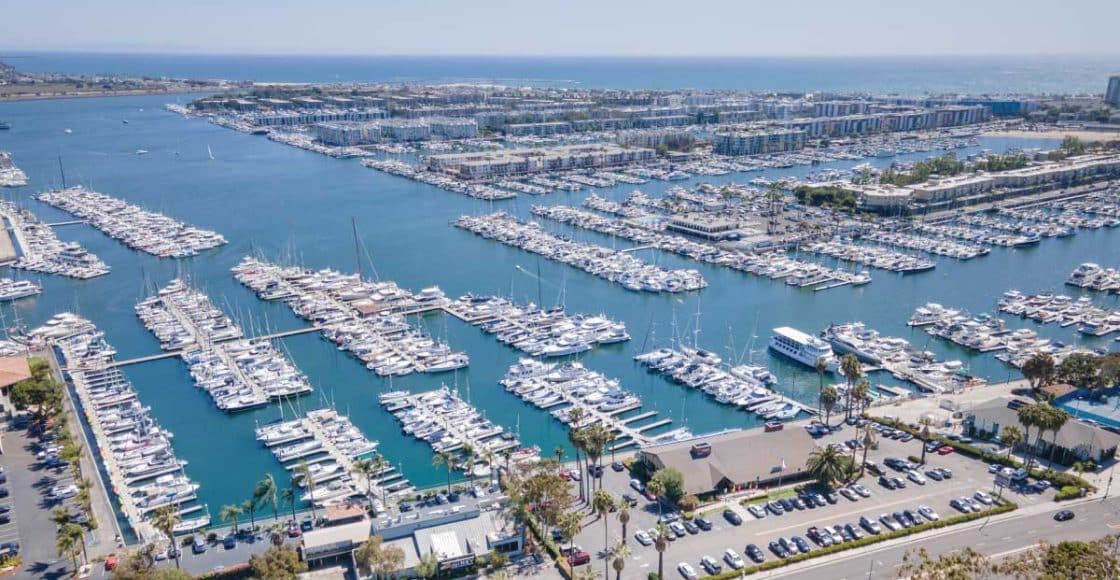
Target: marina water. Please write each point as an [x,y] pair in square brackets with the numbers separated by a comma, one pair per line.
[293,205]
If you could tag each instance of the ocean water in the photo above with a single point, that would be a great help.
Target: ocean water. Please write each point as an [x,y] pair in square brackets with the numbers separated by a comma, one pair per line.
[905,75]
[292,204]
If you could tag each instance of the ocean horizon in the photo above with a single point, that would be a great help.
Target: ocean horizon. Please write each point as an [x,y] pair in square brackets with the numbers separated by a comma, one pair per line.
[910,75]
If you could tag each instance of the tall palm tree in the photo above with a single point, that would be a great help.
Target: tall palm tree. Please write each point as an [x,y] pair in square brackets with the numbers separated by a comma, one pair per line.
[303,472]
[230,513]
[165,519]
[868,441]
[366,468]
[250,507]
[288,496]
[655,487]
[853,371]
[624,518]
[925,434]
[1011,436]
[828,399]
[826,465]
[265,494]
[618,554]
[602,503]
[595,440]
[822,368]
[69,542]
[660,543]
[1055,419]
[861,395]
[1032,416]
[447,460]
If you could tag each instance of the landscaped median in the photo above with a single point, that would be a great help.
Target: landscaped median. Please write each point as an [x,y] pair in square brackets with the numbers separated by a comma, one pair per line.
[1004,507]
[1059,478]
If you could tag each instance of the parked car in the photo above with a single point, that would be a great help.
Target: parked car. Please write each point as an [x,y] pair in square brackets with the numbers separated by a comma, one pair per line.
[887,482]
[862,491]
[831,497]
[928,513]
[961,504]
[822,539]
[902,519]
[848,493]
[637,486]
[853,531]
[643,538]
[755,553]
[733,559]
[802,545]
[756,511]
[686,571]
[690,527]
[677,529]
[578,558]
[916,477]
[984,497]
[870,525]
[934,474]
[617,466]
[732,517]
[629,499]
[945,450]
[775,508]
[711,565]
[703,523]
[891,523]
[229,542]
[199,546]
[778,550]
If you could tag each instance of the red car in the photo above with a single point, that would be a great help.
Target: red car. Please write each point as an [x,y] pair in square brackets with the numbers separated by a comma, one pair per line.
[649,496]
[111,562]
[579,558]
[945,450]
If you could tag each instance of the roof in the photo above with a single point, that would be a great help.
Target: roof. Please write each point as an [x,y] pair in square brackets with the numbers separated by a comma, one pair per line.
[1073,435]
[730,461]
[344,512]
[334,538]
[793,333]
[13,369]
[1058,390]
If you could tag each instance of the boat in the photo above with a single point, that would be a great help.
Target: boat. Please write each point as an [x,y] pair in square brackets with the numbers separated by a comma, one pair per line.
[141,151]
[4,126]
[802,348]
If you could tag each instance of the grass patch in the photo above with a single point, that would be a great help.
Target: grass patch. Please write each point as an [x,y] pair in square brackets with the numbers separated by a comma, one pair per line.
[780,494]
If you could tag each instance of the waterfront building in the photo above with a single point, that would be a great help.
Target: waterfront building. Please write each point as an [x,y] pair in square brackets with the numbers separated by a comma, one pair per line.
[347,133]
[716,464]
[538,129]
[738,116]
[454,127]
[946,188]
[840,108]
[704,227]
[654,138]
[490,164]
[405,130]
[883,198]
[1112,94]
[298,118]
[758,142]
[1075,441]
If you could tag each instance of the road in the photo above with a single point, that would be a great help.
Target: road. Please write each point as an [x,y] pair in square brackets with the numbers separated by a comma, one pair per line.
[1000,538]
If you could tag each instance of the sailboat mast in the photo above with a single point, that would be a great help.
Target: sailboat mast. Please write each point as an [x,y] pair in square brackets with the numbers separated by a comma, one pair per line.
[357,248]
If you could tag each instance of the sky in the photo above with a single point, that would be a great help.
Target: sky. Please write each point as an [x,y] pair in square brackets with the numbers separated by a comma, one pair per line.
[564,27]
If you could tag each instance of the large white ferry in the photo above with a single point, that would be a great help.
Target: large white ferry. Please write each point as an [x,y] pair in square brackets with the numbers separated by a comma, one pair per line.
[802,348]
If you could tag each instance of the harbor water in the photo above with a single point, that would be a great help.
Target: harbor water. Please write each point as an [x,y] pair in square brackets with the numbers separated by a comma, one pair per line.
[296,206]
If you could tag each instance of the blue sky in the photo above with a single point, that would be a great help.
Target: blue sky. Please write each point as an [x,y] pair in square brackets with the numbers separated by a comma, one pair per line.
[565,27]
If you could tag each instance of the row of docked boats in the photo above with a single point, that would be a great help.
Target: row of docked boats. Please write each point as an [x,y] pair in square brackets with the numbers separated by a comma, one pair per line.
[15,289]
[182,317]
[776,266]
[42,251]
[366,319]
[580,397]
[946,231]
[135,451]
[1051,308]
[132,225]
[897,356]
[10,174]
[1032,230]
[1093,277]
[536,331]
[452,426]
[320,450]
[872,256]
[1071,217]
[747,387]
[938,247]
[629,208]
[612,265]
[444,182]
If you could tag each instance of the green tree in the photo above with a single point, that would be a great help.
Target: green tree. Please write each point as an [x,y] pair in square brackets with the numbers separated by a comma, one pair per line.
[303,473]
[276,563]
[661,543]
[444,459]
[1055,419]
[1011,436]
[603,503]
[828,399]
[624,519]
[617,555]
[822,367]
[266,493]
[827,465]
[288,496]
[427,566]
[230,513]
[250,507]
[925,436]
[1039,370]
[672,484]
[165,519]
[70,541]
[853,372]
[367,468]
[1081,370]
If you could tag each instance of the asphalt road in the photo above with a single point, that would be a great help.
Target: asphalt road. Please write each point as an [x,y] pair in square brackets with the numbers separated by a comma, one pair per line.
[1000,538]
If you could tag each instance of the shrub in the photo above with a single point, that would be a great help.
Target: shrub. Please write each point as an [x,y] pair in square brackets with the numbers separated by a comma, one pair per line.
[1068,492]
[914,459]
[653,576]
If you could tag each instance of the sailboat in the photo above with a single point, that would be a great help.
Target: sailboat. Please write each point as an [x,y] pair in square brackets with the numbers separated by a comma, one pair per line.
[209,152]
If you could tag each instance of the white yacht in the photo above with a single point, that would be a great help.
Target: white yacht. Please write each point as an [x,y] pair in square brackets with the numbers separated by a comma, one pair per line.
[802,348]
[16,289]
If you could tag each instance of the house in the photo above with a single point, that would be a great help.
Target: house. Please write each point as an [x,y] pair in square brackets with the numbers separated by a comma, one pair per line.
[1075,441]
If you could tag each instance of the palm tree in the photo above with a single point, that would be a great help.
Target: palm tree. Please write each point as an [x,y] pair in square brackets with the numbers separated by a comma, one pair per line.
[868,441]
[925,422]
[69,542]
[447,460]
[468,461]
[1032,416]
[660,543]
[367,468]
[624,518]
[288,496]
[585,573]
[230,513]
[828,399]
[861,395]
[1055,419]
[618,554]
[303,472]
[822,368]
[250,507]
[265,493]
[165,519]
[1011,436]
[655,487]
[603,503]
[827,465]
[853,371]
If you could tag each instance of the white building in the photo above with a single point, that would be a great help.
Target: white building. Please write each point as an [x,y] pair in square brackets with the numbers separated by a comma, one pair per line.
[757,142]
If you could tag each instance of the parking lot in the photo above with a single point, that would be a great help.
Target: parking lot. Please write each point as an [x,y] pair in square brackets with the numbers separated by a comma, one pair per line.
[967,477]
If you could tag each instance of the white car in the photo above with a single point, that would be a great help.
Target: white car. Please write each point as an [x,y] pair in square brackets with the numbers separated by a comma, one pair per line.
[851,495]
[916,477]
[984,498]
[757,511]
[678,529]
[686,570]
[863,491]
[890,522]
[643,538]
[928,513]
[733,559]
[64,491]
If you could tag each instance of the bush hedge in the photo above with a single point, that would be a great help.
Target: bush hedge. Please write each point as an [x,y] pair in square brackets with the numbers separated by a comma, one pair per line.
[1068,492]
[550,547]
[1007,506]
[1058,478]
